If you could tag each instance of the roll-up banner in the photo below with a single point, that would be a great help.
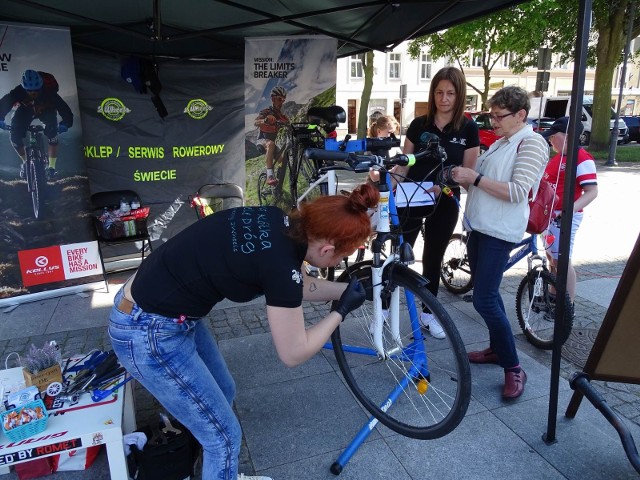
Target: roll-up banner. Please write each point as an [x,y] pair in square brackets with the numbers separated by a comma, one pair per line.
[284,77]
[46,235]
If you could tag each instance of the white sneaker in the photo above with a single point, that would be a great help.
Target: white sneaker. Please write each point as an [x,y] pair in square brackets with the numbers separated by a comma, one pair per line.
[431,324]
[242,476]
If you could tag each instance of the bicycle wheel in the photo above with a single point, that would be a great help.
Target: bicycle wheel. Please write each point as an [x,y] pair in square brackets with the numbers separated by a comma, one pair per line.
[421,390]
[535,308]
[306,171]
[454,269]
[37,182]
[265,192]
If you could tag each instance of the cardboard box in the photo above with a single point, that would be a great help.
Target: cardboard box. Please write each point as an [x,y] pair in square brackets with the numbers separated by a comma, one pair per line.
[43,378]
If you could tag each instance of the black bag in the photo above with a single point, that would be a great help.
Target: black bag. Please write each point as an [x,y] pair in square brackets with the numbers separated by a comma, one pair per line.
[166,456]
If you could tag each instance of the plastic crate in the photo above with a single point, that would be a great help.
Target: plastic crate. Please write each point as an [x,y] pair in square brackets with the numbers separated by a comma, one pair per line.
[27,430]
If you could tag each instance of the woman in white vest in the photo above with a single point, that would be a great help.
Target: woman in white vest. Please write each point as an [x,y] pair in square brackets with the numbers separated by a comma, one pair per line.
[496,214]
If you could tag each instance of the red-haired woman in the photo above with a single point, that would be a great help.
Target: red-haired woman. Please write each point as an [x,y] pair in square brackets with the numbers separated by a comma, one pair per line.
[238,254]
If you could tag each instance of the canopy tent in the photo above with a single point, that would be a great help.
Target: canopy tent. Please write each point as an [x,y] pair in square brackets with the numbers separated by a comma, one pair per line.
[216,29]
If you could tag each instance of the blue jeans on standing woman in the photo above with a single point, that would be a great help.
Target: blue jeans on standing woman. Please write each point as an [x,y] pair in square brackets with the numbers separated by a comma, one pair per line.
[488,256]
[181,366]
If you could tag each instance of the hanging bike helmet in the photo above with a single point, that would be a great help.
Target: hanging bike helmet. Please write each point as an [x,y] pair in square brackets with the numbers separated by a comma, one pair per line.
[31,80]
[279,91]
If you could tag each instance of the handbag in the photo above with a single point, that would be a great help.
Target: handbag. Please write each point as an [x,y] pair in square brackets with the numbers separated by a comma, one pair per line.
[541,207]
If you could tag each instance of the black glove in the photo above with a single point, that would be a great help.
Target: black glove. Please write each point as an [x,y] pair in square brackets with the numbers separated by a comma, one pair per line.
[351,298]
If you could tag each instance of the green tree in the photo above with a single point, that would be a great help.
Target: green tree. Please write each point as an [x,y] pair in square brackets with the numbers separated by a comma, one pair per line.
[365,97]
[521,30]
[517,31]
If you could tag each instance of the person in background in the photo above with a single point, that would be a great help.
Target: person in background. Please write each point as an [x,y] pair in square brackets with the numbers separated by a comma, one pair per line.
[586,191]
[496,214]
[269,122]
[460,138]
[36,98]
[156,327]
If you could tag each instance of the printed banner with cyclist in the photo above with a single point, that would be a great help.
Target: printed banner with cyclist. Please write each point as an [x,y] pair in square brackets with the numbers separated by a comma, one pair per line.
[44,187]
[284,77]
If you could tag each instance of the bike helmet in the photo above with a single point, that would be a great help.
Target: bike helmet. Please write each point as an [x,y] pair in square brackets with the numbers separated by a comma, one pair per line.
[279,91]
[31,80]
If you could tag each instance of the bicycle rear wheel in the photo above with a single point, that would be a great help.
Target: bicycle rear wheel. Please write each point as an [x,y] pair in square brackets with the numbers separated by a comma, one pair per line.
[535,308]
[421,391]
[37,182]
[455,271]
[306,174]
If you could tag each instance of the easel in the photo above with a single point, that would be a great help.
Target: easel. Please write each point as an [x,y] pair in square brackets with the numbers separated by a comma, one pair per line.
[615,356]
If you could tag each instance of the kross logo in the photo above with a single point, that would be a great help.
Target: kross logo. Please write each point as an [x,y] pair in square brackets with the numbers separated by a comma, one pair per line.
[113,109]
[197,109]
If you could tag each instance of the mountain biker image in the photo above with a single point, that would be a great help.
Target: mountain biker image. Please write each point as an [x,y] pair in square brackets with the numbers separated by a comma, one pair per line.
[36,97]
[268,121]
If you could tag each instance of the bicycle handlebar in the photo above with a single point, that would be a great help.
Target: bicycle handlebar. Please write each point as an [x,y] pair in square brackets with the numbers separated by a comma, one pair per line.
[361,162]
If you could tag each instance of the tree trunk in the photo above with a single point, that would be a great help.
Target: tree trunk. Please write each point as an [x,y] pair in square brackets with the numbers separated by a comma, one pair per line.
[363,114]
[611,38]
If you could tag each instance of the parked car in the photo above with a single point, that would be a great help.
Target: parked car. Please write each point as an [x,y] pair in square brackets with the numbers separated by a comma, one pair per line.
[633,124]
[540,124]
[487,135]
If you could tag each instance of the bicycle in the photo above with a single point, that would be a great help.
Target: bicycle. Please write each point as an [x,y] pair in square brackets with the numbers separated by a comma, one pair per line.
[294,139]
[382,343]
[535,302]
[35,167]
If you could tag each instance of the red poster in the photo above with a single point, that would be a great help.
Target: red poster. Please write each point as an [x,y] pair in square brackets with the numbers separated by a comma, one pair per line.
[41,265]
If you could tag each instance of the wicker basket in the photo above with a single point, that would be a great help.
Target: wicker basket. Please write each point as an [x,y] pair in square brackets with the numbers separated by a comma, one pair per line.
[27,430]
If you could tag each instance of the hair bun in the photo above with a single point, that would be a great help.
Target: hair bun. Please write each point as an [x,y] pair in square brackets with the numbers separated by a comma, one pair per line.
[364,197]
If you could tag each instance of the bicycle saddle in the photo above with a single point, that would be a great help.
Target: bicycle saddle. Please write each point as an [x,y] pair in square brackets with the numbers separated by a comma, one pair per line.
[333,114]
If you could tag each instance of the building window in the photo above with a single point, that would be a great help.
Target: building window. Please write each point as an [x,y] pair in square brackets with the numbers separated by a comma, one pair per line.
[356,61]
[505,60]
[394,66]
[471,103]
[476,59]
[425,66]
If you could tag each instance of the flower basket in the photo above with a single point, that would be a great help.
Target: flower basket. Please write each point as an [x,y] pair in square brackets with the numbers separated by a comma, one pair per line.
[25,421]
[43,378]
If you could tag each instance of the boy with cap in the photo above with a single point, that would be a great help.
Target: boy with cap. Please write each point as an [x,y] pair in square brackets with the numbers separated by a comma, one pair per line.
[586,190]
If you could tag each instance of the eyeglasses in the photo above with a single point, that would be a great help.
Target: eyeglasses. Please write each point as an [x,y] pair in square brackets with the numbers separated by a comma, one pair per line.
[499,118]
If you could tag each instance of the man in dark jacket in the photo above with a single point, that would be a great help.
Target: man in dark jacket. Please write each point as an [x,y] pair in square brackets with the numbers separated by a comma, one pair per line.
[36,97]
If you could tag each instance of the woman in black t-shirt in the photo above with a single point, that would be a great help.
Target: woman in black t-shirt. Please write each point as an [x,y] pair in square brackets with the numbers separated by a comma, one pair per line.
[238,254]
[460,139]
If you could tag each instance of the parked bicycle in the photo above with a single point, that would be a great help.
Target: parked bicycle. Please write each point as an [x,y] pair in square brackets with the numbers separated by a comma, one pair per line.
[382,344]
[535,297]
[35,168]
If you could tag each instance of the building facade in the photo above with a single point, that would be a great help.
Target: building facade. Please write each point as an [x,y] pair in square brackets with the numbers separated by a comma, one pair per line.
[401,84]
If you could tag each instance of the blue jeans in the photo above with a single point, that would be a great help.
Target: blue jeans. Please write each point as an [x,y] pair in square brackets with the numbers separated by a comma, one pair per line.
[181,366]
[488,257]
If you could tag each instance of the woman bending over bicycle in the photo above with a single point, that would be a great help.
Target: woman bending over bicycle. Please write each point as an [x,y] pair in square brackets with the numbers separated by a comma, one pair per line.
[496,213]
[586,190]
[460,138]
[156,326]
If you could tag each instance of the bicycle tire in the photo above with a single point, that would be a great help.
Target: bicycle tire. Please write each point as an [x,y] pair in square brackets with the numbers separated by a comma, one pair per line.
[447,382]
[265,193]
[455,271]
[306,171]
[537,317]
[37,182]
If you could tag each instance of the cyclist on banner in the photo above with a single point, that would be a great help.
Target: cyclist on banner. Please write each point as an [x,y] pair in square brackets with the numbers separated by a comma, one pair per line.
[36,97]
[269,121]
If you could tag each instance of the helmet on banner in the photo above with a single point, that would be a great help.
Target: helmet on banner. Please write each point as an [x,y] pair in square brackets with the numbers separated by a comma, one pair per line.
[31,80]
[279,91]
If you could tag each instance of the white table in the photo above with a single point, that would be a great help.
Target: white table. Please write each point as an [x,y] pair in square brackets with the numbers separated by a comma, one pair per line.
[82,425]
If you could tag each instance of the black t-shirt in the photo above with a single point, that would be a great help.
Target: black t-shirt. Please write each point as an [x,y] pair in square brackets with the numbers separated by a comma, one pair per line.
[239,254]
[453,142]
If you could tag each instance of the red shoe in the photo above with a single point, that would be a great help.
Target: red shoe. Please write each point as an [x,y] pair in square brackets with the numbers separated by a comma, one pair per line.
[483,356]
[513,384]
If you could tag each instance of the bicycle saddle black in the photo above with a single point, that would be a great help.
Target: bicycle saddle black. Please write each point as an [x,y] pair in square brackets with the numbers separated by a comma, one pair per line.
[332,115]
